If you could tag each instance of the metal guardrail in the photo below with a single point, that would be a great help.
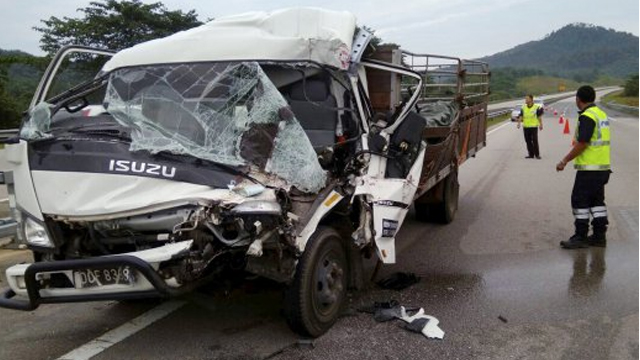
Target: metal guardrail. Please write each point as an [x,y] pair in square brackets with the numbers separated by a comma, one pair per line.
[8,227]
[497,113]
[8,133]
[624,108]
[8,230]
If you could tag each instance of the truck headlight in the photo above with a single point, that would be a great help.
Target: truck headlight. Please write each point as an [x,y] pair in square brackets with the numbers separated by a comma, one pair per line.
[36,234]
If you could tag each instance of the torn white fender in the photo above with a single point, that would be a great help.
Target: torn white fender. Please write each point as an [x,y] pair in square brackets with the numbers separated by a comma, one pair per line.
[327,204]
[390,200]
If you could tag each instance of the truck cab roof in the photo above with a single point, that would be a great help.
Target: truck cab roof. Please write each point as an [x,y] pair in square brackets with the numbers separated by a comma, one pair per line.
[306,34]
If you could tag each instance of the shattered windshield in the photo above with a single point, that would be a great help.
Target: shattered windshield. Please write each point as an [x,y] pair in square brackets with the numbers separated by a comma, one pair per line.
[228,113]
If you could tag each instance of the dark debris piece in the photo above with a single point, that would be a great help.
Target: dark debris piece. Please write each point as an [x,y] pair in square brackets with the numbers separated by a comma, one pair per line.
[371,309]
[382,315]
[383,311]
[416,325]
[398,281]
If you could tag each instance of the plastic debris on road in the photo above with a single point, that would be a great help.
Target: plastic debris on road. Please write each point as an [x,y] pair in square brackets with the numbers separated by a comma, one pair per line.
[422,323]
[418,322]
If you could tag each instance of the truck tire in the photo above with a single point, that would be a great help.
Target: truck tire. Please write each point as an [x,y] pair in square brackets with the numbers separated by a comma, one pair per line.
[444,210]
[315,298]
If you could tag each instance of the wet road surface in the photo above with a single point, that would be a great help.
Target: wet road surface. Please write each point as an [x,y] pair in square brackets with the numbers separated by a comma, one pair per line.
[495,278]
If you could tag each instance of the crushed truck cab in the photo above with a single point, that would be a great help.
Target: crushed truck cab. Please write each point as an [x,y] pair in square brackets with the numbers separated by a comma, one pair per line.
[279,144]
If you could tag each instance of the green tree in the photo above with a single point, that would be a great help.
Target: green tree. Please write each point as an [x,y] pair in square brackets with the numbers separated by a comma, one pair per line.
[114,25]
[631,86]
[19,76]
[9,113]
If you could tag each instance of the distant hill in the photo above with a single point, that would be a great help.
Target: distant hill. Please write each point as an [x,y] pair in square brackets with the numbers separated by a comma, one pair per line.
[580,51]
[13,53]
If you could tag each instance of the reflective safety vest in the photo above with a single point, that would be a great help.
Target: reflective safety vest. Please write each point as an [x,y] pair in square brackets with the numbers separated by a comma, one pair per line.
[597,154]
[530,116]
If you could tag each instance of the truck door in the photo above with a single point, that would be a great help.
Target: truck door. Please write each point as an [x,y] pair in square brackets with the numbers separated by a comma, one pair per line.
[71,66]
[394,143]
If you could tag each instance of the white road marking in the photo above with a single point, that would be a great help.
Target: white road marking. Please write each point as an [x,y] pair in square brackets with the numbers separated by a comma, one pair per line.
[110,338]
[631,219]
[498,128]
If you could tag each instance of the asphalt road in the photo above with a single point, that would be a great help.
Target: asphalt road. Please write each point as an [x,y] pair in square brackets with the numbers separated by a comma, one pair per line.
[495,278]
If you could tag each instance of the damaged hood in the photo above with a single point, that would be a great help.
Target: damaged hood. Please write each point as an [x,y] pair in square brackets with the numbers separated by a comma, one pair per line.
[311,34]
[110,195]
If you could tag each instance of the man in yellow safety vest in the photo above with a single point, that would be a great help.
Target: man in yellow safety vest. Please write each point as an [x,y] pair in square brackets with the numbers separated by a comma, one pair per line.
[591,155]
[531,118]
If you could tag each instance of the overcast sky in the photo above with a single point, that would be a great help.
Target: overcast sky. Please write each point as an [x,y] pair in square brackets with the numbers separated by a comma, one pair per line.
[463,28]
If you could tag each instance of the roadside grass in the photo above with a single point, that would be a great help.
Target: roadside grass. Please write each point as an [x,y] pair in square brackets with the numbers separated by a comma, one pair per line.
[497,120]
[538,85]
[618,98]
[544,84]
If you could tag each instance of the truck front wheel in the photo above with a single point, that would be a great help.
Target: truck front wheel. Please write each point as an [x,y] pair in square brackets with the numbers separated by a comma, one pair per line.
[315,297]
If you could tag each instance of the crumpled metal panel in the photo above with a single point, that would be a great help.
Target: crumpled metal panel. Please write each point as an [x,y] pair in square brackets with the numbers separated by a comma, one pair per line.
[228,113]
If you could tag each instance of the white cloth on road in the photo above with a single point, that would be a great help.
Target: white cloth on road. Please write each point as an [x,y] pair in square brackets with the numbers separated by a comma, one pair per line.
[430,329]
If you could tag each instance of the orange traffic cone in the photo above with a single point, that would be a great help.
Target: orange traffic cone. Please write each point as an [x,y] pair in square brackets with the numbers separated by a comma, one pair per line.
[566,128]
[561,120]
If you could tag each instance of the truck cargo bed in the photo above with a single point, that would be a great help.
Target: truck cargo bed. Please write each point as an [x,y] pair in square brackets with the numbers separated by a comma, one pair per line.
[450,146]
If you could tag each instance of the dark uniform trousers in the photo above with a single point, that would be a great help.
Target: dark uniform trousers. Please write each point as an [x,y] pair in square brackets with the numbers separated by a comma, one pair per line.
[531,138]
[587,198]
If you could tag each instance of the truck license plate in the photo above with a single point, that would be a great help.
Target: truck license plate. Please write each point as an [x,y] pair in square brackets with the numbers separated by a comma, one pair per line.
[88,278]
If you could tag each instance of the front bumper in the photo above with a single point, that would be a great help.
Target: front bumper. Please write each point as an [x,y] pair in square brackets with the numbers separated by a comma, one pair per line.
[24,279]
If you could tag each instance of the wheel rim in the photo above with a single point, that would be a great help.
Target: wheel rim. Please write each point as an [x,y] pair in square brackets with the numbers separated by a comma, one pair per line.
[328,285]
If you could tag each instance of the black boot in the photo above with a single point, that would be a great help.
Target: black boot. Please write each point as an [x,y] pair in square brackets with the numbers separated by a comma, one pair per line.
[597,239]
[575,242]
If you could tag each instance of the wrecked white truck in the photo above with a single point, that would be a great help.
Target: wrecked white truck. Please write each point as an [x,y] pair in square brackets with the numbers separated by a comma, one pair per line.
[279,144]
